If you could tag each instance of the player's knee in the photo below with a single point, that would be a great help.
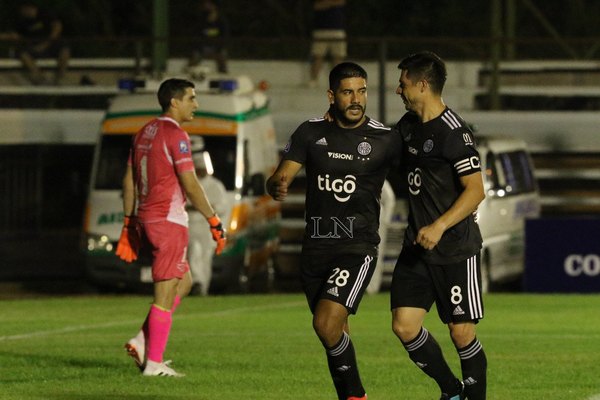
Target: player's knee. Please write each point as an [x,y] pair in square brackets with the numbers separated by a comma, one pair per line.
[328,331]
[462,334]
[404,331]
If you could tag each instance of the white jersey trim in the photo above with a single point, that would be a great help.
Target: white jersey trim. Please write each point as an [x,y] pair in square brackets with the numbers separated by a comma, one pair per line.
[378,125]
[450,119]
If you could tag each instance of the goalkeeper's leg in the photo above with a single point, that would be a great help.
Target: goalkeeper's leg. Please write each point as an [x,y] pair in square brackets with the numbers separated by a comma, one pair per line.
[136,346]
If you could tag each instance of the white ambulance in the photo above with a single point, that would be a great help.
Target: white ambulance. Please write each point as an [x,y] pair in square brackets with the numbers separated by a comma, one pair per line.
[237,132]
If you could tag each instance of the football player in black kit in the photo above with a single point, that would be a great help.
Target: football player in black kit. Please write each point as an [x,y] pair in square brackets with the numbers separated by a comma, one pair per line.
[346,163]
[439,261]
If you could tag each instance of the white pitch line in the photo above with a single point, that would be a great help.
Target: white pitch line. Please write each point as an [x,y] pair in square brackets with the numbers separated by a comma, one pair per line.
[80,328]
[594,397]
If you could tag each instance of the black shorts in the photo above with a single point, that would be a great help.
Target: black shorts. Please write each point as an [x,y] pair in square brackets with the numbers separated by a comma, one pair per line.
[342,278]
[455,288]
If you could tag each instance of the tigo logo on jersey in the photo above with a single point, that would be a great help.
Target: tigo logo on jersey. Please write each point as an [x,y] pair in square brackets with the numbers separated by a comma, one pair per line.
[184,147]
[414,181]
[342,189]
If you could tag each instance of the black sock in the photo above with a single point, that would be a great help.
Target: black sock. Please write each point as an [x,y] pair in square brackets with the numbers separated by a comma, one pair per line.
[338,382]
[344,371]
[474,366]
[426,353]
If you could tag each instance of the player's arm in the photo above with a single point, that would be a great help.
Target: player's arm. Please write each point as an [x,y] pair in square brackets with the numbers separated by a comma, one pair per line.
[195,193]
[129,241]
[465,205]
[128,192]
[277,185]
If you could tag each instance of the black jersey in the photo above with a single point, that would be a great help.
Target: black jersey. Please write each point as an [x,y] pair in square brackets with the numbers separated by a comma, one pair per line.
[345,170]
[436,154]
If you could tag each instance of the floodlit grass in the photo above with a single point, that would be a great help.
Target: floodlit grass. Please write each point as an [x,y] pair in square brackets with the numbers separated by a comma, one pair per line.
[262,347]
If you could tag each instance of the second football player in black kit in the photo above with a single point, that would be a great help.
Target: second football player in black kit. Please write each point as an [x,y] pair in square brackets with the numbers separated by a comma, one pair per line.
[440,257]
[346,163]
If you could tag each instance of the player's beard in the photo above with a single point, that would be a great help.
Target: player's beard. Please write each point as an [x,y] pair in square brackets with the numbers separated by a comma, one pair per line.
[346,119]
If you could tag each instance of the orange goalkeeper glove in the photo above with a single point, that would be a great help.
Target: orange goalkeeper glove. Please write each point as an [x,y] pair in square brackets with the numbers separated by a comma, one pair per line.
[129,242]
[218,233]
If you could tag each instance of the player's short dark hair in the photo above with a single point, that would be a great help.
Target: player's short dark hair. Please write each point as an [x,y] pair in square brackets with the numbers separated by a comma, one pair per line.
[345,70]
[425,65]
[172,88]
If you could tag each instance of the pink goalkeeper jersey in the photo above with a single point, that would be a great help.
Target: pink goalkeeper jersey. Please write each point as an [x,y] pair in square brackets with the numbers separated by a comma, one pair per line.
[161,150]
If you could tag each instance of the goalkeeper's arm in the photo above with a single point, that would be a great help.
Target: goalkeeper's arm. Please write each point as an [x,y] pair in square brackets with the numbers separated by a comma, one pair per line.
[129,241]
[196,195]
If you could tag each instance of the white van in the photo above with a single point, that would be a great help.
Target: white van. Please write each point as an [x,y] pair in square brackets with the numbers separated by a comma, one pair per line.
[237,131]
[512,196]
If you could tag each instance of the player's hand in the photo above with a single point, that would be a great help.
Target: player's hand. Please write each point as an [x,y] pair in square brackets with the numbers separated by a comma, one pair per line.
[429,236]
[218,233]
[129,242]
[278,189]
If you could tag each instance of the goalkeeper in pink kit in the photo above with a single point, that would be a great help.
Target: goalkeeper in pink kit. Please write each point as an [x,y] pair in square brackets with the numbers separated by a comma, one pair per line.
[160,176]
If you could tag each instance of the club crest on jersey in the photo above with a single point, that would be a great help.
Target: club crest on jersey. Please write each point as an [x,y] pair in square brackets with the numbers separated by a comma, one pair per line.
[428,146]
[287,146]
[184,148]
[364,148]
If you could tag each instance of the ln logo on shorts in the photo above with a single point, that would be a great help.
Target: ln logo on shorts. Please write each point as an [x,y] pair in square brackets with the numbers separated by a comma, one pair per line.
[339,228]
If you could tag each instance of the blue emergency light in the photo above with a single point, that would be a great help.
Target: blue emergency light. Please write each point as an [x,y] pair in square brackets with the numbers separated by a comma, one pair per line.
[130,84]
[223,85]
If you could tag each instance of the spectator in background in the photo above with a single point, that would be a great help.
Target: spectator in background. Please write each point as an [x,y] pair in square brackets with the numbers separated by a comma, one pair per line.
[213,30]
[39,32]
[328,35]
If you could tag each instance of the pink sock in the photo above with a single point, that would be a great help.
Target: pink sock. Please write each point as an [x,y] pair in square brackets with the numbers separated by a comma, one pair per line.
[142,335]
[176,303]
[159,326]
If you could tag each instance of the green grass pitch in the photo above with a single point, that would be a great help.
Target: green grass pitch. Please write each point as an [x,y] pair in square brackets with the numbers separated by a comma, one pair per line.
[539,347]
